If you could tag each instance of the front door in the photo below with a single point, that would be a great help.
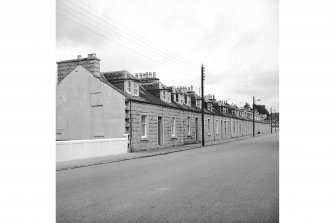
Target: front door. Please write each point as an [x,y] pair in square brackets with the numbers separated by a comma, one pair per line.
[196,130]
[160,131]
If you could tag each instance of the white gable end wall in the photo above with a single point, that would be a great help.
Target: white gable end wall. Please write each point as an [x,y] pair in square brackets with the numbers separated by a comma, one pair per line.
[86,108]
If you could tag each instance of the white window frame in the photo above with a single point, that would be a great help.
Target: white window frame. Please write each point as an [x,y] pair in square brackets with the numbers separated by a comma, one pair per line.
[128,89]
[173,127]
[136,89]
[164,95]
[145,126]
[188,126]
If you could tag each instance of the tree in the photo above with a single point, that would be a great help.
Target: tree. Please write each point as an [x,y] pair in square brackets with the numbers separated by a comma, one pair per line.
[262,110]
[246,106]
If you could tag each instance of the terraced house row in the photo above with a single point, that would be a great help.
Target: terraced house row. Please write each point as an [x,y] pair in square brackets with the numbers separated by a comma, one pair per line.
[94,105]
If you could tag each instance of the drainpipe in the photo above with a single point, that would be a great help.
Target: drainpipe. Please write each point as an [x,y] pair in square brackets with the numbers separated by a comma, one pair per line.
[131,127]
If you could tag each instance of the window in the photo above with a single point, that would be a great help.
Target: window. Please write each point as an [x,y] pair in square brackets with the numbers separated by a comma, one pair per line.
[129,86]
[164,96]
[188,126]
[96,99]
[177,98]
[169,97]
[144,126]
[173,127]
[136,89]
[217,127]
[188,100]
[209,127]
[198,103]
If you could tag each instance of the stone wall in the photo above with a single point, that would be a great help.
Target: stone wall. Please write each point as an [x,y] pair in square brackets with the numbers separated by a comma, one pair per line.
[229,128]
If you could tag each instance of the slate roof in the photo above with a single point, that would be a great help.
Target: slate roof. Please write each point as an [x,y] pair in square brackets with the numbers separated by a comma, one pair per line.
[146,97]
[118,75]
[155,86]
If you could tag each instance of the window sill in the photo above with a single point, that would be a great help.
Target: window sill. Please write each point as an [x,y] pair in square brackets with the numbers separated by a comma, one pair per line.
[173,137]
[144,138]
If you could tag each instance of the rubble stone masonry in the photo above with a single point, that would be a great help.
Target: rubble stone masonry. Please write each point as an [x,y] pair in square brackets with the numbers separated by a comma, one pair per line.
[230,127]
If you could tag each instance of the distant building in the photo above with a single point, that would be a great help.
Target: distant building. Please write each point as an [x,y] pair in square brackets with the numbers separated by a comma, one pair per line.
[93,104]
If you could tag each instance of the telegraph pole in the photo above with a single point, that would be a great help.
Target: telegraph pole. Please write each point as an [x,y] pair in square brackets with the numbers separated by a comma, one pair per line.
[202,104]
[271,120]
[253,116]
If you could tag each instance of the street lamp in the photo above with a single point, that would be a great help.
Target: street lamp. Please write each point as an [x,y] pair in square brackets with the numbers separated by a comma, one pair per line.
[253,115]
[271,119]
[202,104]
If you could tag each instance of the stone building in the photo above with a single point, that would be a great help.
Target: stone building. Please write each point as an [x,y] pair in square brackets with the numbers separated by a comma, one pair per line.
[94,104]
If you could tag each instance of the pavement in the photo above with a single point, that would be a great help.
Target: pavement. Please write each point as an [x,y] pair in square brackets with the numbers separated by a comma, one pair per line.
[230,182]
[67,165]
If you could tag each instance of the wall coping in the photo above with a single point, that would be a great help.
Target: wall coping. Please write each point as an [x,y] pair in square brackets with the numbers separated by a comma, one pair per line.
[92,140]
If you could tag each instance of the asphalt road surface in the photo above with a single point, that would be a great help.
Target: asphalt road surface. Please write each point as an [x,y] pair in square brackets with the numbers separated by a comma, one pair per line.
[230,182]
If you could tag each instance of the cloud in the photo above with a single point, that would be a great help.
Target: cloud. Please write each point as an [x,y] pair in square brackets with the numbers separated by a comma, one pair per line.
[236,40]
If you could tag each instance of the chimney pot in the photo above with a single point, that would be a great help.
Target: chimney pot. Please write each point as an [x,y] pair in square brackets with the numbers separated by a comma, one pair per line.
[93,55]
[150,75]
[79,56]
[154,74]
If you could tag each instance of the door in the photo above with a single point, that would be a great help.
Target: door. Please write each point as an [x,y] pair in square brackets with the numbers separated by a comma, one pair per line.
[196,130]
[221,130]
[160,131]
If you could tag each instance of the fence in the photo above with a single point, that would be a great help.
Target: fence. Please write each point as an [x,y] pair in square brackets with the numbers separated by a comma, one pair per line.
[82,149]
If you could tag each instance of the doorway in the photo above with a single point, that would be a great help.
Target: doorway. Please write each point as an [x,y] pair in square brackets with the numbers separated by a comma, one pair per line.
[160,131]
[196,130]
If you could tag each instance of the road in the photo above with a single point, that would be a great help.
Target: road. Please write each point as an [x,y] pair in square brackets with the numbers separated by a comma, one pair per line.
[231,182]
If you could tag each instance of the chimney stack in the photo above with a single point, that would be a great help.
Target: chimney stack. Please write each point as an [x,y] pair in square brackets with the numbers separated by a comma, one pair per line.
[91,63]
[154,74]
[150,75]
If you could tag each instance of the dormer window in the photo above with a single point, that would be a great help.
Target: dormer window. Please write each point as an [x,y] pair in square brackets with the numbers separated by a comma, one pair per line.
[131,87]
[136,90]
[188,100]
[165,96]
[181,99]
[198,103]
[209,106]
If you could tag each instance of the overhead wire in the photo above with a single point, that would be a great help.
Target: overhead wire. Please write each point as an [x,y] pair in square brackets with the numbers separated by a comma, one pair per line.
[140,37]
[107,38]
[130,39]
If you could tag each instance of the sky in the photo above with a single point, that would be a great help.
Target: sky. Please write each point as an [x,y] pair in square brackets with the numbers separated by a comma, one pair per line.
[235,40]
